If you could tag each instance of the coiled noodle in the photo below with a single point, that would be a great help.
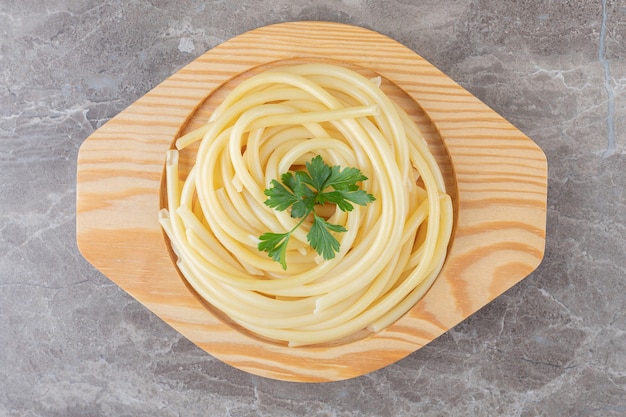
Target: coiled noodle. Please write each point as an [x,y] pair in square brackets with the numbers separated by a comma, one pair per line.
[271,123]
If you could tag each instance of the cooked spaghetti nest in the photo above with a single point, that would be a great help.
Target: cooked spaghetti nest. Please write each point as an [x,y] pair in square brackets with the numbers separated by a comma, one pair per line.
[271,123]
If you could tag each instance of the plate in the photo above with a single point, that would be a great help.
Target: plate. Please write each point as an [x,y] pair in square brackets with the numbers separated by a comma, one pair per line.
[496,175]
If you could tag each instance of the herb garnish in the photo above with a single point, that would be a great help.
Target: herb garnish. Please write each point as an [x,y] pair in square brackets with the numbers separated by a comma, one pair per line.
[302,191]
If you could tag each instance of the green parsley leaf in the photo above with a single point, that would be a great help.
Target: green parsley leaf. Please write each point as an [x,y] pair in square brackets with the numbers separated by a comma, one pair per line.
[318,173]
[342,198]
[275,244]
[345,179]
[320,238]
[280,198]
[306,202]
[302,191]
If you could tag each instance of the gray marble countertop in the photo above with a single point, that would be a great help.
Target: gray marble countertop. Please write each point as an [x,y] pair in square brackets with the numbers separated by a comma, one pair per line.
[74,344]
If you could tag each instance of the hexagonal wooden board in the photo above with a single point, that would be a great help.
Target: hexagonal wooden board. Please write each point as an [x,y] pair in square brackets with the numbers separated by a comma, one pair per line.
[496,175]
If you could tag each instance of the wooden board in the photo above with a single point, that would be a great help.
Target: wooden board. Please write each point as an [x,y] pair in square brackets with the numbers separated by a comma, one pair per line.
[496,175]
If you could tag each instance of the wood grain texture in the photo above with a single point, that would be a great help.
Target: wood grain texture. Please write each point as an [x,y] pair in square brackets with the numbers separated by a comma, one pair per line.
[496,175]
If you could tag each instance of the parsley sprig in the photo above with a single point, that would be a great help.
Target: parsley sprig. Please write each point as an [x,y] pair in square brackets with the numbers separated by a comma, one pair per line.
[303,190]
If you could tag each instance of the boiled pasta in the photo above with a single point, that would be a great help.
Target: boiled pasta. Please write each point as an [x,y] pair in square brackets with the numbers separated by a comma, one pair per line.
[274,122]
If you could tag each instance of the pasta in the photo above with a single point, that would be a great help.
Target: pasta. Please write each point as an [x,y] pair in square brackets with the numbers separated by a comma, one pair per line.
[273,122]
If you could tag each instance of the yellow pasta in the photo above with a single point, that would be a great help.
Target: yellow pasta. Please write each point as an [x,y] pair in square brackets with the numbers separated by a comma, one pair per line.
[273,122]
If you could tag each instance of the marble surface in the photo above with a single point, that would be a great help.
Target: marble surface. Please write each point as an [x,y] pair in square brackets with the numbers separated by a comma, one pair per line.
[73,344]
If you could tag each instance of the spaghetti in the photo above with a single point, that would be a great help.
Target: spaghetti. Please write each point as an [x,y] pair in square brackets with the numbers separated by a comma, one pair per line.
[271,123]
